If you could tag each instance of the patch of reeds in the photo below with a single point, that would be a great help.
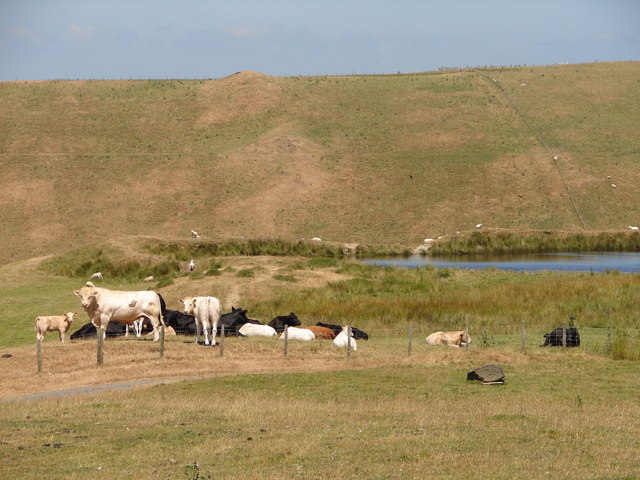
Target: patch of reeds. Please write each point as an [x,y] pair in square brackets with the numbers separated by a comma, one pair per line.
[272,247]
[83,262]
[536,242]
[393,297]
[626,345]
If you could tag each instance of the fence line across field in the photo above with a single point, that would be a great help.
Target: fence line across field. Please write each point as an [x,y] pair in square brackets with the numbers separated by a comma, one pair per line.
[595,339]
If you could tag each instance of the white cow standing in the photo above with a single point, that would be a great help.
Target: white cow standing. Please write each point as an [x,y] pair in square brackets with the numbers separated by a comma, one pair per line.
[207,312]
[103,306]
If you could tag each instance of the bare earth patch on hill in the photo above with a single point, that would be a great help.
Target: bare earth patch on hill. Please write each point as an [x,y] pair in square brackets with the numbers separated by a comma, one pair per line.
[241,94]
[277,177]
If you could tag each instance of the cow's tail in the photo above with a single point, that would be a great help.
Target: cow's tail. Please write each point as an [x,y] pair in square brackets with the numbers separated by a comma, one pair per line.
[163,309]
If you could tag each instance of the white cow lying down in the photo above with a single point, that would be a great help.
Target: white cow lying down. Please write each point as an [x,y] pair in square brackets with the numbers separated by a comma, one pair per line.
[453,339]
[103,305]
[255,330]
[52,323]
[295,333]
[342,340]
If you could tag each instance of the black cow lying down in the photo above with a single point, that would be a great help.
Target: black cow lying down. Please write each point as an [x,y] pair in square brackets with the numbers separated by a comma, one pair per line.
[114,329]
[185,324]
[355,332]
[182,323]
[281,321]
[554,339]
[233,320]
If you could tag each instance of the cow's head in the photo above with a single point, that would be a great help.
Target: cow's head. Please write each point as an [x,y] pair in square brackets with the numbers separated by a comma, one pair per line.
[464,338]
[69,317]
[292,320]
[89,297]
[189,304]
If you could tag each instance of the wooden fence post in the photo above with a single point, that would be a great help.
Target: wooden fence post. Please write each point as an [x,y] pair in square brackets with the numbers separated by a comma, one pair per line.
[39,354]
[100,342]
[161,340]
[286,340]
[524,344]
[564,334]
[410,337]
[222,341]
[609,339]
[466,332]
[348,341]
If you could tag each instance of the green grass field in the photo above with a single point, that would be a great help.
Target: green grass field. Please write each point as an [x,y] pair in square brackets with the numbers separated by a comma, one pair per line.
[383,412]
[559,415]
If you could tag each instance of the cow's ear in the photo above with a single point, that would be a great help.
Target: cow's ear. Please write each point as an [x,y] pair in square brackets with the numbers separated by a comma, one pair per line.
[182,302]
[193,302]
[76,292]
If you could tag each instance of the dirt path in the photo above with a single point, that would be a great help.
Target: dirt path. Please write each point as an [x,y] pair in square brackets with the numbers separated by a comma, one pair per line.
[94,388]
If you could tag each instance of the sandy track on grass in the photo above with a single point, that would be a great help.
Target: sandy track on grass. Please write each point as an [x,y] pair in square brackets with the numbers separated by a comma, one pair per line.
[71,368]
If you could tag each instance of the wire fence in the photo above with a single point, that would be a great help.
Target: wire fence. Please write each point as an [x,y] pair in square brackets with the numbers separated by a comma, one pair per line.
[596,340]
[411,338]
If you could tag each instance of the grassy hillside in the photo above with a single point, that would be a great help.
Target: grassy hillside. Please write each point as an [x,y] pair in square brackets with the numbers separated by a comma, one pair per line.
[377,159]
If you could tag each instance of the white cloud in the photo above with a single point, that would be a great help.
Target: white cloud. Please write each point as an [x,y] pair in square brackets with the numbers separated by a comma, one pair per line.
[246,31]
[24,33]
[81,35]
[604,37]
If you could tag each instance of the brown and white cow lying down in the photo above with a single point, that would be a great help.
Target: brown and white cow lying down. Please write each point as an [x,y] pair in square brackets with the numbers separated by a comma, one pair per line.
[453,339]
[322,332]
[52,323]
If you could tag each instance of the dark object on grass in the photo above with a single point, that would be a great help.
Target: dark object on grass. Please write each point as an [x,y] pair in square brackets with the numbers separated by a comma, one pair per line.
[554,339]
[488,374]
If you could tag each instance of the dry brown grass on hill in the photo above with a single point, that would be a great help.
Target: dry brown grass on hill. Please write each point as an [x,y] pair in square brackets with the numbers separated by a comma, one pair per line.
[372,159]
[233,290]
[242,94]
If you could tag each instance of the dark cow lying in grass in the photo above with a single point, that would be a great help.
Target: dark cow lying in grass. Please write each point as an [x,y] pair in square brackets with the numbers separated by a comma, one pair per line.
[282,321]
[182,323]
[186,324]
[233,320]
[114,329]
[554,339]
[355,332]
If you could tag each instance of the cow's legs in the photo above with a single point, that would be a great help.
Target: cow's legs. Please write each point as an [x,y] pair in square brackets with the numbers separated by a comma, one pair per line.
[137,327]
[156,330]
[214,331]
[205,327]
[198,330]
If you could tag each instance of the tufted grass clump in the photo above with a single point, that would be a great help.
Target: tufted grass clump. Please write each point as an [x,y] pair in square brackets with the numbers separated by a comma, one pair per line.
[111,262]
[626,345]
[489,242]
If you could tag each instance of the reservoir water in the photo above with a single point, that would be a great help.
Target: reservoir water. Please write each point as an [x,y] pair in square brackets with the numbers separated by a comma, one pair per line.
[627,262]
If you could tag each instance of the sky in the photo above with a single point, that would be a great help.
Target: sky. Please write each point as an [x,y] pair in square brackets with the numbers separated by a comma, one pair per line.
[198,39]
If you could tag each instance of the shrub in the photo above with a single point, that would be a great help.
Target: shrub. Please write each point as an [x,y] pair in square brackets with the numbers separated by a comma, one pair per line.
[247,272]
[285,278]
[626,345]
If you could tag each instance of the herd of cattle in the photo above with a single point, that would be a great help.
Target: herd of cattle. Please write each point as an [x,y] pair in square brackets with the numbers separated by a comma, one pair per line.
[114,312]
